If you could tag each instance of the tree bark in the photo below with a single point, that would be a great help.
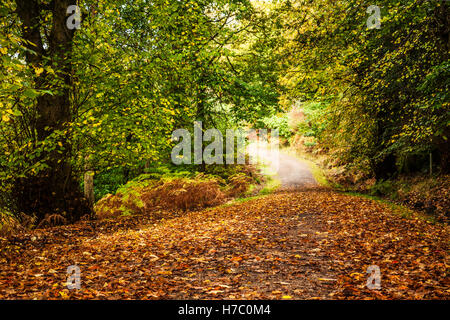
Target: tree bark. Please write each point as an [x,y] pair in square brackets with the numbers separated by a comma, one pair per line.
[89,188]
[55,190]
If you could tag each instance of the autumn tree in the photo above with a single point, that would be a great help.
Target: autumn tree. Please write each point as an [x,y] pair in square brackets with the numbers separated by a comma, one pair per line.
[107,96]
[384,90]
[44,183]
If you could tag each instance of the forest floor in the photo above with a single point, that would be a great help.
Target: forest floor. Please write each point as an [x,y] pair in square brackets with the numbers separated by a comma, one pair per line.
[308,242]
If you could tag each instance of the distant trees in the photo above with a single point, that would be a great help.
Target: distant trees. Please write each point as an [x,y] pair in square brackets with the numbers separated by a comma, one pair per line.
[387,89]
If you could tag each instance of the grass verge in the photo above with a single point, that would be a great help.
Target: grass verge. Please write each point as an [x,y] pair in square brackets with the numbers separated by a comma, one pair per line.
[396,209]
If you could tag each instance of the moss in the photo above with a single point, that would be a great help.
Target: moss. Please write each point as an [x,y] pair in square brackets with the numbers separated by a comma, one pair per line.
[271,186]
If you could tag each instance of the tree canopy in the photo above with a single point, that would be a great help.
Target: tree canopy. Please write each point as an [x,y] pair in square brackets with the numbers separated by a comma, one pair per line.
[106,92]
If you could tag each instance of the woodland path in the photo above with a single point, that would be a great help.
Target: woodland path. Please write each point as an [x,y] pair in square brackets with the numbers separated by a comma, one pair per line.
[303,243]
[292,173]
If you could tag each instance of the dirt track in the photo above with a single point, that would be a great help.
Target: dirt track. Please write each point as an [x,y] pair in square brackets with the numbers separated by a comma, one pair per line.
[292,173]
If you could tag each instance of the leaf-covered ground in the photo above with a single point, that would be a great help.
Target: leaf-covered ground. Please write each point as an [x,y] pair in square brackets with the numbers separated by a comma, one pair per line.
[310,244]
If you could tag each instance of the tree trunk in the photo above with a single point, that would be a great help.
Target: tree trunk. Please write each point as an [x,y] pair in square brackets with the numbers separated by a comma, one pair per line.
[89,188]
[386,167]
[201,117]
[54,190]
[89,182]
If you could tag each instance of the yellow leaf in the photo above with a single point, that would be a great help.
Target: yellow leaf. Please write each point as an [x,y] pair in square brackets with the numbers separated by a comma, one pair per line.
[3,50]
[39,71]
[326,279]
[276,292]
[165,272]
[286,297]
[237,259]
[5,118]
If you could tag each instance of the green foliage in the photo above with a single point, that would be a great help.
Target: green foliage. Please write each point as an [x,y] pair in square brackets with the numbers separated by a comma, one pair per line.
[385,90]
[314,122]
[108,182]
[382,188]
[138,71]
[279,122]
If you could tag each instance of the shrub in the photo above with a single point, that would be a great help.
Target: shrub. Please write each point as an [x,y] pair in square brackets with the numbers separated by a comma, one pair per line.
[280,122]
[239,184]
[161,188]
[11,224]
[139,197]
[183,194]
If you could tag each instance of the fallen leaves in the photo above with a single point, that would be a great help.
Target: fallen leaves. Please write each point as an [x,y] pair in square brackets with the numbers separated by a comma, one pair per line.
[281,246]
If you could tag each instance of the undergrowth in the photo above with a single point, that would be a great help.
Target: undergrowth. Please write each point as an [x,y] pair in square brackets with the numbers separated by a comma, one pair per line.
[178,191]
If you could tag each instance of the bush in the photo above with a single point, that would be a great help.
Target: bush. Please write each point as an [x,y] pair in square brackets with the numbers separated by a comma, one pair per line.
[11,224]
[280,122]
[138,197]
[107,182]
[183,194]
[178,190]
[239,184]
